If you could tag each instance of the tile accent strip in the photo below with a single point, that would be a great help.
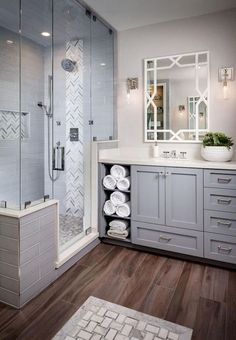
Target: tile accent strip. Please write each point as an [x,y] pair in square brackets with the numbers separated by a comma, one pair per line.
[74,199]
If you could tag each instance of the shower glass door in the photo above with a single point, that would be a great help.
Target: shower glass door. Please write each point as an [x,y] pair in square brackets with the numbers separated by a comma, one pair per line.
[10,112]
[71,119]
[36,65]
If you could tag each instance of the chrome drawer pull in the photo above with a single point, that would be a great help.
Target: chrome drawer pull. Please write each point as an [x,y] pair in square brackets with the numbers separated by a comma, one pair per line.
[165,238]
[227,224]
[224,180]
[224,201]
[228,250]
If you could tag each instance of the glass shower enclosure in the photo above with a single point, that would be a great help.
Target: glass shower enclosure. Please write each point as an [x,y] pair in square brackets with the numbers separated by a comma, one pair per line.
[56,97]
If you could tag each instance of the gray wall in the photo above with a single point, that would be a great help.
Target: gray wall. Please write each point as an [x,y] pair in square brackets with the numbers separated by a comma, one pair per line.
[214,32]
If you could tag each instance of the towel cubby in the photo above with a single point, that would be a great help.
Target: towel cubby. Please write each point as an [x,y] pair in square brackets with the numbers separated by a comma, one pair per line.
[105,194]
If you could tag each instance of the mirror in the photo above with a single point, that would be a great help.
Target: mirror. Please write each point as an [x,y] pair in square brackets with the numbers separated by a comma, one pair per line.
[176,97]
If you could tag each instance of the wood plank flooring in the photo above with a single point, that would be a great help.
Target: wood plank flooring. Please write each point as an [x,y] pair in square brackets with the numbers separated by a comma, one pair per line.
[194,295]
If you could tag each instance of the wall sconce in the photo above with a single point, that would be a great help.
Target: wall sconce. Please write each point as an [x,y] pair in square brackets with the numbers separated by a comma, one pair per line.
[132,84]
[181,109]
[226,74]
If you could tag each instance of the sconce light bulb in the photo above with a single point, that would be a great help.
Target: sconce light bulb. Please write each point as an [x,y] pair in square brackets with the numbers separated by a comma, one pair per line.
[225,90]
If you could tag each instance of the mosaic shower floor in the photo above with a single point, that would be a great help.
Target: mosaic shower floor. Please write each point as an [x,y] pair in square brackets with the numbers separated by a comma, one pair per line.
[98,319]
[70,229]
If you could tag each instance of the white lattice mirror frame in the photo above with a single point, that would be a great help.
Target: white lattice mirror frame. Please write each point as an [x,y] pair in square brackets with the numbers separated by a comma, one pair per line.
[204,96]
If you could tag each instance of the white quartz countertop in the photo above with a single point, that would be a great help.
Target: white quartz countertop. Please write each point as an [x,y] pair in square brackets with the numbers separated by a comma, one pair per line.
[186,163]
[20,213]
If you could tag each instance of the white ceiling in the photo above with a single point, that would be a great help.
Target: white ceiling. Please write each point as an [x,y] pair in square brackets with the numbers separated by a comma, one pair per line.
[126,14]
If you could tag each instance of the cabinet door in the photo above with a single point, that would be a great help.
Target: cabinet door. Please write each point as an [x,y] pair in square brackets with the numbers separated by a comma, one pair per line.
[184,198]
[148,194]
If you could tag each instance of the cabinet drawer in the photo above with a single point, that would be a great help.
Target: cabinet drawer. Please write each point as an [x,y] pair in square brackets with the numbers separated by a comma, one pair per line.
[220,179]
[220,222]
[220,247]
[178,240]
[220,199]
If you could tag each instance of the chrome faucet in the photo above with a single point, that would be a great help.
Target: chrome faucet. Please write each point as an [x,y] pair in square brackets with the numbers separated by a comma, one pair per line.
[173,154]
[182,155]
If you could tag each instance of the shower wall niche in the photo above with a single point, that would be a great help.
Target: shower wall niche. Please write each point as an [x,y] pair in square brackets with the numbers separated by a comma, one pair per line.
[56,95]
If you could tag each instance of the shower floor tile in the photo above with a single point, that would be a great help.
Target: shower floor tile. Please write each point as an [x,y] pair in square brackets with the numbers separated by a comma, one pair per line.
[70,228]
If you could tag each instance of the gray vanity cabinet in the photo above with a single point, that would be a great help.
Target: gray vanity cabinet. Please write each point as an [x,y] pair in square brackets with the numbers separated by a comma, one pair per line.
[184,198]
[148,194]
[190,211]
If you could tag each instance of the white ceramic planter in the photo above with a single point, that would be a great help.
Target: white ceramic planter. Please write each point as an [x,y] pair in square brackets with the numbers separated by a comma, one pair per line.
[217,153]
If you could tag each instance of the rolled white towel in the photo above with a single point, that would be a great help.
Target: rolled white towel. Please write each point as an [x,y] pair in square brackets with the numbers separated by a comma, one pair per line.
[120,225]
[119,171]
[109,182]
[118,234]
[109,208]
[123,210]
[118,198]
[123,183]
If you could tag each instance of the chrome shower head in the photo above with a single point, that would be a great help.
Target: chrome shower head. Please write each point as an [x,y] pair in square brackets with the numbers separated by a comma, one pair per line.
[68,65]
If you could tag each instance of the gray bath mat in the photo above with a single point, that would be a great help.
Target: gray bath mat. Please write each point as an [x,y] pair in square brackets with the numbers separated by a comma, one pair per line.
[98,319]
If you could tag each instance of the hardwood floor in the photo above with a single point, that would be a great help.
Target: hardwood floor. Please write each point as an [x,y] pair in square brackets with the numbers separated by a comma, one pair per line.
[194,295]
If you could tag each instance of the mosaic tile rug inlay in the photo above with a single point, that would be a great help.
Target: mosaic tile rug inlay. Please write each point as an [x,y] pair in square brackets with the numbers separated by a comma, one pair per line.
[98,319]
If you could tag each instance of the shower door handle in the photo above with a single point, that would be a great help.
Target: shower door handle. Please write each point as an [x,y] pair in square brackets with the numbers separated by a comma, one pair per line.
[59,158]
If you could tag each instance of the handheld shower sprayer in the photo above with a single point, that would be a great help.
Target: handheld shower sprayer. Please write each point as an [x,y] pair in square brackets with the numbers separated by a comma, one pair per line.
[47,109]
[41,105]
[44,108]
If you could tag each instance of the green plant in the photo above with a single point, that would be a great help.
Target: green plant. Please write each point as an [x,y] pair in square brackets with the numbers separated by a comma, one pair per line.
[217,139]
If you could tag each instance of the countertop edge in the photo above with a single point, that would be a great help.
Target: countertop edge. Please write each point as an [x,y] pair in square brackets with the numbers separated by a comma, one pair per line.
[169,163]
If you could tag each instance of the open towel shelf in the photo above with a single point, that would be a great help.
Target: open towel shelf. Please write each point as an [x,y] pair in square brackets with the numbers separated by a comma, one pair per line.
[116,216]
[126,191]
[117,239]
